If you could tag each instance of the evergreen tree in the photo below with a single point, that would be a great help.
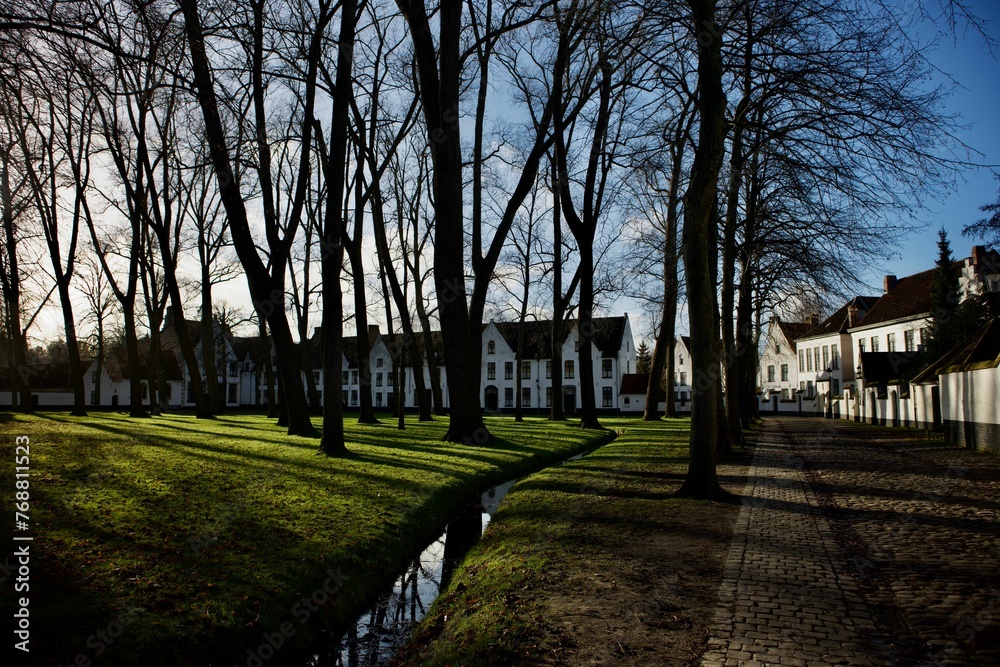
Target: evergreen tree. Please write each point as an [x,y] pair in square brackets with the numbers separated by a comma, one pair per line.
[944,293]
[643,359]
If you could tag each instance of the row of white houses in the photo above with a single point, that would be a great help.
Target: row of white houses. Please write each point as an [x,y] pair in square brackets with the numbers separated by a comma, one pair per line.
[243,384]
[853,364]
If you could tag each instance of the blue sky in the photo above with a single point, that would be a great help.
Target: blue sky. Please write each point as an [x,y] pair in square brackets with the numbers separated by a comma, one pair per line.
[977,100]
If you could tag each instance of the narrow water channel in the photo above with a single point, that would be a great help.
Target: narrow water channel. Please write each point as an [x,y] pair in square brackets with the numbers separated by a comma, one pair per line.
[387,624]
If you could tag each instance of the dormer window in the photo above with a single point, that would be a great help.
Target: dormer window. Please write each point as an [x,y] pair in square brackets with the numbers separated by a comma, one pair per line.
[491,347]
[777,348]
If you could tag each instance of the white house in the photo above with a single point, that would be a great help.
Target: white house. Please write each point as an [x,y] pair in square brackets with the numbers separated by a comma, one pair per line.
[825,359]
[781,389]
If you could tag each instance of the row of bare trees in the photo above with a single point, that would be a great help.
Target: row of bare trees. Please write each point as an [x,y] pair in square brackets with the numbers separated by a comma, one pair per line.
[769,146]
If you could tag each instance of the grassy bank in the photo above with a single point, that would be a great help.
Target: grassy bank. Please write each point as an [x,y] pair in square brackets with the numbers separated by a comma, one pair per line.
[173,540]
[591,562]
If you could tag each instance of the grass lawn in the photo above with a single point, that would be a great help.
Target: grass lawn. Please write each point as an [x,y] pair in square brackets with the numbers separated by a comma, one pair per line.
[591,562]
[174,541]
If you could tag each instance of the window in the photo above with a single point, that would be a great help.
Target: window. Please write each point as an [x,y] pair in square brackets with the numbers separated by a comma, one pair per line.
[233,396]
[378,362]
[568,369]
[606,397]
[354,377]
[777,348]
[826,356]
[784,372]
[93,397]
[548,397]
[874,343]
[491,370]
[680,360]
[908,341]
[525,397]
[809,388]
[491,347]
[508,370]
[925,334]
[802,385]
[816,357]
[770,373]
[346,375]
[378,400]
[233,369]
[835,356]
[548,369]
[605,368]
[378,379]
[525,370]
[861,345]
[508,397]
[802,361]
[786,394]
[316,377]
[836,387]
[684,378]
[389,379]
[354,397]
[345,397]
[809,361]
[890,342]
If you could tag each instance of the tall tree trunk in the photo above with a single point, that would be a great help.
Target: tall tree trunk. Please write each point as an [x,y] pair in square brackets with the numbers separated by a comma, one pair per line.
[215,402]
[266,298]
[558,302]
[367,414]
[699,239]
[134,365]
[73,348]
[332,262]
[440,93]
[585,335]
[269,375]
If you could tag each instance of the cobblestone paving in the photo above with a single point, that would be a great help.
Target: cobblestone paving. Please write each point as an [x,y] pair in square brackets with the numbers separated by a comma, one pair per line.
[918,524]
[862,545]
[786,597]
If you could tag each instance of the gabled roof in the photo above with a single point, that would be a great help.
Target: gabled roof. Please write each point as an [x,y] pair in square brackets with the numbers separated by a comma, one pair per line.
[537,337]
[394,341]
[686,340]
[608,334]
[849,315]
[636,384]
[792,330]
[978,351]
[117,368]
[910,297]
[46,375]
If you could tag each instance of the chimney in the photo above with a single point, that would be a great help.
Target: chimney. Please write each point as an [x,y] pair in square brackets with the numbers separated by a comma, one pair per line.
[372,332]
[168,318]
[978,255]
[813,319]
[890,283]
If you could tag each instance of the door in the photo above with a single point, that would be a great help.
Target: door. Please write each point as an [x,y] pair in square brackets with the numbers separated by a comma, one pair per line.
[492,396]
[569,400]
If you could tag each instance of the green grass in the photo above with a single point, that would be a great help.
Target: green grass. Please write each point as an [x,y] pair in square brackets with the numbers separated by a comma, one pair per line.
[549,527]
[196,538]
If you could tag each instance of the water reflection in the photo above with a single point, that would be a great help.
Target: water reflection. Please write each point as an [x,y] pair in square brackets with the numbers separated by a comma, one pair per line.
[386,626]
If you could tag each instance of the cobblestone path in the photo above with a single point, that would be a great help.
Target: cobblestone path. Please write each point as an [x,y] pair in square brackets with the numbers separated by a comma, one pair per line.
[862,545]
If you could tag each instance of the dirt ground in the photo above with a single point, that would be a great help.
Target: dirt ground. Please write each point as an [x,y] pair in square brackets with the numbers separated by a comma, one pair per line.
[646,598]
